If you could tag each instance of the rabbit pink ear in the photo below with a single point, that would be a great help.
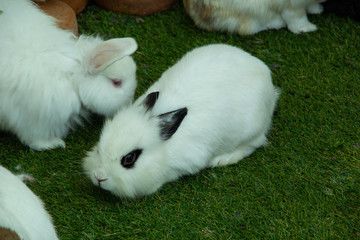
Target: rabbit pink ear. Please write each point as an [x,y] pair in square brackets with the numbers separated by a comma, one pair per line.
[111,51]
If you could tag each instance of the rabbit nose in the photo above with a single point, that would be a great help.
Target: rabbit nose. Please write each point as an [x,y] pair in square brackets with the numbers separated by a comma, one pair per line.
[100,176]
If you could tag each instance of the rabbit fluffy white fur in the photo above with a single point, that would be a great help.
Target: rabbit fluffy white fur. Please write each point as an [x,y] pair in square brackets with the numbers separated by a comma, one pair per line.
[251,16]
[22,211]
[213,108]
[49,79]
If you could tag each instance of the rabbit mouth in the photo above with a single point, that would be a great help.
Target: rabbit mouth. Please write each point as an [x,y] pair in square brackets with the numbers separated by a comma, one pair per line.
[117,83]
[101,181]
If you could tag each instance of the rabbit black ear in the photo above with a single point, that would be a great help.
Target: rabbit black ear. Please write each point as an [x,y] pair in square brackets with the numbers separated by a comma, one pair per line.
[150,100]
[170,122]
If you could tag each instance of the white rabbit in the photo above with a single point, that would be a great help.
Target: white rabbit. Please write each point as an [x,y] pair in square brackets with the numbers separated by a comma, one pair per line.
[22,211]
[251,16]
[49,79]
[213,108]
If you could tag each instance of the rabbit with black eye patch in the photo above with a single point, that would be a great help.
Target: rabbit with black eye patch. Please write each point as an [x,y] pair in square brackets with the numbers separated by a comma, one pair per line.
[49,79]
[212,108]
[247,17]
[22,211]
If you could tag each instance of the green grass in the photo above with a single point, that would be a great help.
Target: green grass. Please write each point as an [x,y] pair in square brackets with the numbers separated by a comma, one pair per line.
[304,185]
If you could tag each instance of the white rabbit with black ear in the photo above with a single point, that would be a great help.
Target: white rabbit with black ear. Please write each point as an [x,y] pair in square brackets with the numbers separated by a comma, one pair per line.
[49,79]
[22,211]
[213,108]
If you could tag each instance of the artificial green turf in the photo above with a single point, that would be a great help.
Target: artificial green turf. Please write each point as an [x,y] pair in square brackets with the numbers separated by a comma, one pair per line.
[304,185]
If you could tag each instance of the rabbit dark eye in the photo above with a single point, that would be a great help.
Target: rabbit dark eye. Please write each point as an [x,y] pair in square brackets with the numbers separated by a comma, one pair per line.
[129,159]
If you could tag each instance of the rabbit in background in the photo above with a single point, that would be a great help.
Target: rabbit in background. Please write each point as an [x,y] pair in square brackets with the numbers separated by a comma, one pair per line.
[247,17]
[49,79]
[22,211]
[212,108]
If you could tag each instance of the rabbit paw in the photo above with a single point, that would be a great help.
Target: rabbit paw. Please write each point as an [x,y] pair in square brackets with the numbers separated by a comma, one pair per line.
[233,157]
[223,160]
[276,23]
[301,28]
[25,177]
[315,8]
[41,145]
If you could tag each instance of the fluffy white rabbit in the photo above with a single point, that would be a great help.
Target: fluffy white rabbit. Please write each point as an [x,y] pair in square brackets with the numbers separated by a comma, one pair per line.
[22,211]
[213,108]
[251,16]
[49,79]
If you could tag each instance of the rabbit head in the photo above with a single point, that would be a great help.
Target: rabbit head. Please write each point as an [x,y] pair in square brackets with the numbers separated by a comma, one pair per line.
[130,159]
[108,78]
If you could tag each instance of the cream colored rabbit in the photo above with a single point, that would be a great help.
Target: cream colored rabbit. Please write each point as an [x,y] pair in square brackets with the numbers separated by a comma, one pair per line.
[251,16]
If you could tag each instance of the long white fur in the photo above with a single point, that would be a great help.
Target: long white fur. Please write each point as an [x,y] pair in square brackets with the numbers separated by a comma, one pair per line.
[22,211]
[230,100]
[49,78]
[251,16]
